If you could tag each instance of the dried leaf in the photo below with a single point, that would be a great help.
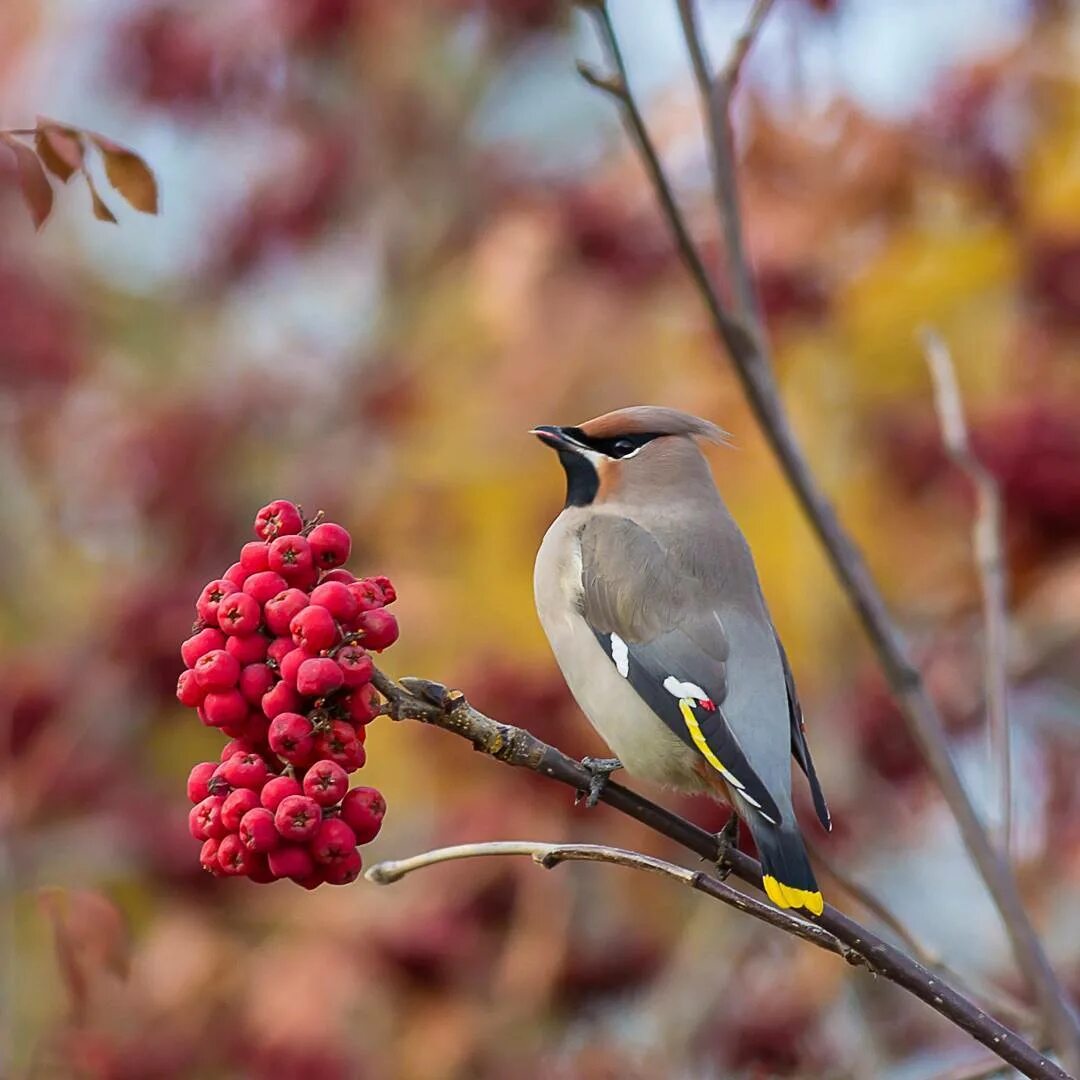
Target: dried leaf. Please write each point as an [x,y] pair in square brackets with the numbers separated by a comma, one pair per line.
[129,174]
[36,190]
[59,147]
[101,211]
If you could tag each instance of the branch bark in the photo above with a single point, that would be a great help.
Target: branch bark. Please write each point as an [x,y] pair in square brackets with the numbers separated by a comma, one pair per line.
[989,547]
[431,703]
[745,341]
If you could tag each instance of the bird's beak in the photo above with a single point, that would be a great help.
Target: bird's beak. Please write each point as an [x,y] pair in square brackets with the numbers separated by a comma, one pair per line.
[554,437]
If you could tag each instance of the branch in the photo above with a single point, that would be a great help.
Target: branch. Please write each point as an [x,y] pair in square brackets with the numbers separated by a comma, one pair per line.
[1015,1011]
[715,97]
[431,703]
[746,345]
[988,542]
[550,855]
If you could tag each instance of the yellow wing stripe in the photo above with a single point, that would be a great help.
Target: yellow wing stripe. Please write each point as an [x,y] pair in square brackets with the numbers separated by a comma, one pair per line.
[784,896]
[686,707]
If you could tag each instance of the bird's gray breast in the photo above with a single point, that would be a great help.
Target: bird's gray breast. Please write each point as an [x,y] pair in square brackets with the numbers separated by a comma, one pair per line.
[641,740]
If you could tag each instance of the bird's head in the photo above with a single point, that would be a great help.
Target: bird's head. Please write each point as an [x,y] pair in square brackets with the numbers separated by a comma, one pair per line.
[638,448]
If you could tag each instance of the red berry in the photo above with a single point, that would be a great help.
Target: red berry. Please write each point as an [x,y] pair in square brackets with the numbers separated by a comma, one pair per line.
[264,586]
[217,670]
[326,782]
[337,575]
[255,681]
[280,609]
[208,858]
[257,830]
[188,690]
[237,575]
[368,596]
[239,614]
[259,874]
[379,628]
[292,737]
[356,666]
[205,819]
[291,662]
[333,841]
[330,545]
[248,649]
[256,728]
[279,518]
[198,782]
[363,704]
[318,677]
[312,880]
[314,629]
[339,743]
[280,699]
[236,805]
[291,557]
[233,857]
[276,789]
[344,871]
[210,597]
[224,708]
[337,599]
[206,640]
[255,556]
[297,817]
[245,771]
[280,647]
[363,810]
[234,746]
[291,861]
[384,584]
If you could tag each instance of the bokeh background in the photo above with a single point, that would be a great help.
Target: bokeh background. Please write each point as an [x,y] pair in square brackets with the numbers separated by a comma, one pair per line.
[395,236]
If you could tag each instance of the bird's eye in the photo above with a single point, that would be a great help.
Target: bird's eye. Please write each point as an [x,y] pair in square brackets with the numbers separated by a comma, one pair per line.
[622,447]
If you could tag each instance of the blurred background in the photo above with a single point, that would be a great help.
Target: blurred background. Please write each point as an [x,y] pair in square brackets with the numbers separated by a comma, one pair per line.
[395,236]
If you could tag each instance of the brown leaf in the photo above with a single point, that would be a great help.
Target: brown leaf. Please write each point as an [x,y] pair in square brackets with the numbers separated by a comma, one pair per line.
[101,211]
[59,147]
[36,190]
[129,174]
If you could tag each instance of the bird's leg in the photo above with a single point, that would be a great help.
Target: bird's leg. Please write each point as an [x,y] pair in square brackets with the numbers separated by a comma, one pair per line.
[727,838]
[599,770]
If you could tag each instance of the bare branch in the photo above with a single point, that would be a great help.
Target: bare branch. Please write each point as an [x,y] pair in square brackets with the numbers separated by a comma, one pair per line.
[550,855]
[1002,1002]
[746,344]
[432,703]
[715,97]
[989,546]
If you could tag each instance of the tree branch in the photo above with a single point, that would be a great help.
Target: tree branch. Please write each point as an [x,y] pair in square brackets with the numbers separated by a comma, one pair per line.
[432,703]
[550,855]
[988,543]
[746,345]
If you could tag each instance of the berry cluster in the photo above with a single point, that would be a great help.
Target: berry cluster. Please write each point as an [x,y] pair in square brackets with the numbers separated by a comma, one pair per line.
[279,662]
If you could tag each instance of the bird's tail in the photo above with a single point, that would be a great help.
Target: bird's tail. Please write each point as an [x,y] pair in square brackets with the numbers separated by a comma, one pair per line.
[785,869]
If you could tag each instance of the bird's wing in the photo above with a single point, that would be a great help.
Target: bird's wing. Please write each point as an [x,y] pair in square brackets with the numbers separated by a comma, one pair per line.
[666,639]
[800,749]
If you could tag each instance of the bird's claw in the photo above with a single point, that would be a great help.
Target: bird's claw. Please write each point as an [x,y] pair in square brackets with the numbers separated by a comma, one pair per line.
[599,770]
[726,839]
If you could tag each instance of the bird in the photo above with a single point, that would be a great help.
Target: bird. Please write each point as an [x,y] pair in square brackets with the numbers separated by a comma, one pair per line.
[649,596]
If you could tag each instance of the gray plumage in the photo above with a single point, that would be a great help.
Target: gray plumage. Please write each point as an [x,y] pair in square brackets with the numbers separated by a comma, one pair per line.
[649,596]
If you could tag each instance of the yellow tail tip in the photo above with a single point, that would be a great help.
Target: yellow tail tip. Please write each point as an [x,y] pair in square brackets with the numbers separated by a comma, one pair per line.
[785,896]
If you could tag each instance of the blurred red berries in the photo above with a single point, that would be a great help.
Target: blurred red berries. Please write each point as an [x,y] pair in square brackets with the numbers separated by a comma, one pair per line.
[279,662]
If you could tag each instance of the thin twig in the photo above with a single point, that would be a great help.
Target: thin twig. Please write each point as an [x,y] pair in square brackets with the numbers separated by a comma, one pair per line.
[550,855]
[1014,1010]
[432,703]
[715,97]
[748,350]
[988,543]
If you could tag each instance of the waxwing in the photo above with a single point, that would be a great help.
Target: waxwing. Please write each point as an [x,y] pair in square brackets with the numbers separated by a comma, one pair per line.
[648,594]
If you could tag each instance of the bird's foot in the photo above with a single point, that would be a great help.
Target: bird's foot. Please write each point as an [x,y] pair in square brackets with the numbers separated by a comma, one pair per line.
[599,770]
[727,840]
